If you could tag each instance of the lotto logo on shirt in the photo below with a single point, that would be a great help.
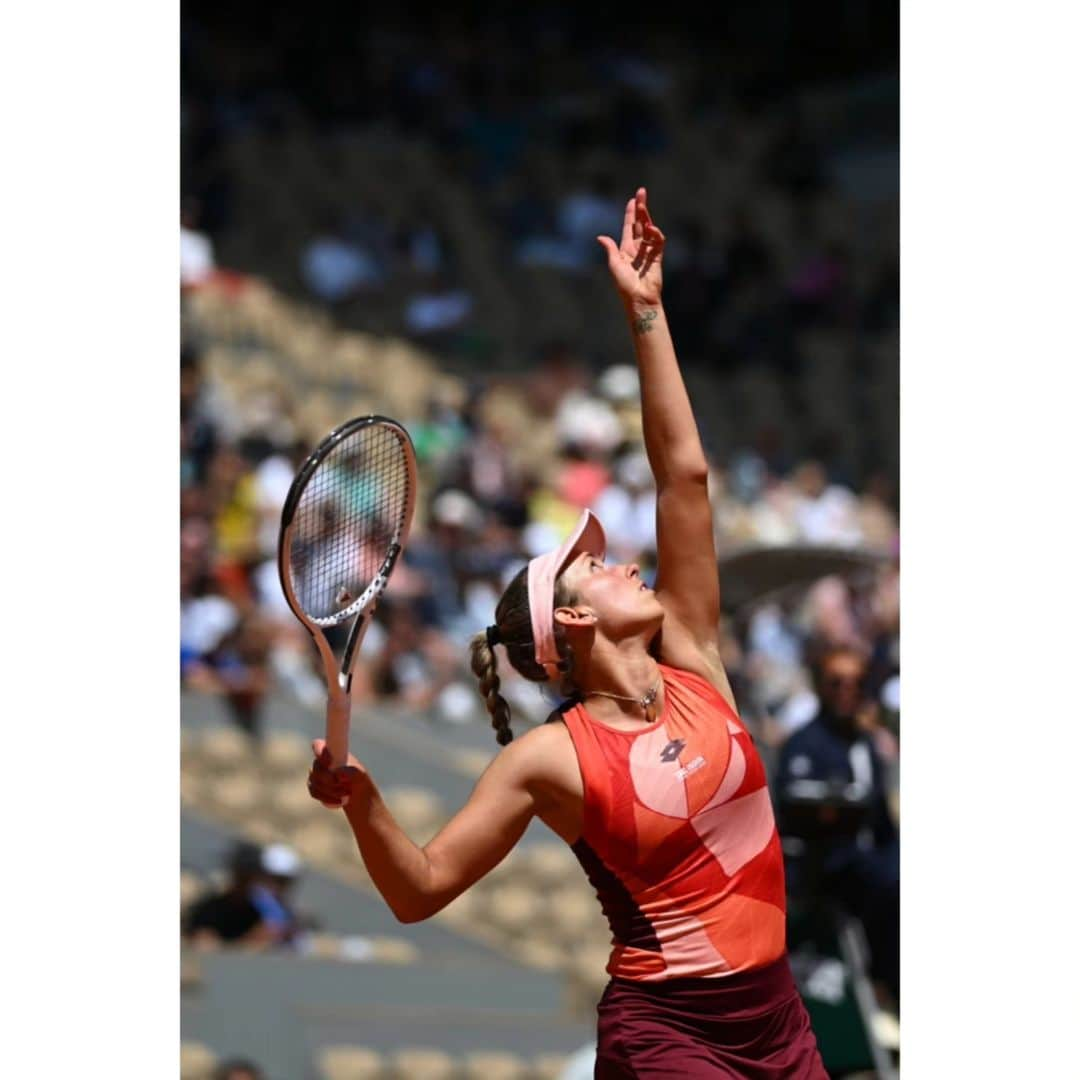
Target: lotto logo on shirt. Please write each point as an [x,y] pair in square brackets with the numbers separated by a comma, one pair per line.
[672,750]
[686,770]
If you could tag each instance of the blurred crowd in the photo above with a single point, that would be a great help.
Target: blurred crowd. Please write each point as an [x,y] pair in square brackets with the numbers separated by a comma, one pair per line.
[445,185]
[505,471]
[420,187]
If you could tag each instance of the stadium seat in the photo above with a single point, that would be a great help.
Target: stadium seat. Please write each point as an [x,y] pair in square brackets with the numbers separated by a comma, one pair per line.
[414,808]
[261,831]
[391,950]
[574,910]
[494,1065]
[192,787]
[286,754]
[539,953]
[191,887]
[191,976]
[421,1063]
[351,1063]
[234,796]
[322,945]
[513,908]
[224,749]
[463,909]
[548,1066]
[189,747]
[550,865]
[512,868]
[317,842]
[290,803]
[196,1061]
[587,976]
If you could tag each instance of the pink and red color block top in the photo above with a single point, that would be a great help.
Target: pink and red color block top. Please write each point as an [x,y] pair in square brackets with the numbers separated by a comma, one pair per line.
[679,839]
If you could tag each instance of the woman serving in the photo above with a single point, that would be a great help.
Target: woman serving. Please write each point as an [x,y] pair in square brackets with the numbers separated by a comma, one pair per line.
[646,770]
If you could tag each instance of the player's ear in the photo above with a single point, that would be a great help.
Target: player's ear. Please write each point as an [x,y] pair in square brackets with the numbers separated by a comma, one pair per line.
[571,617]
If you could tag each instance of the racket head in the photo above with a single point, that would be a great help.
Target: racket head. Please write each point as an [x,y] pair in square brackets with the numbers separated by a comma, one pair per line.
[345,520]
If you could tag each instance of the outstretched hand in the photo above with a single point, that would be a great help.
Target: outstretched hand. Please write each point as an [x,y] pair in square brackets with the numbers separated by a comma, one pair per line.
[635,262]
[332,787]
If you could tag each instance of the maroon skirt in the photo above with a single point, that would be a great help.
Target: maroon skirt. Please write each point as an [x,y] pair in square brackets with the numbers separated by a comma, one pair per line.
[752,1025]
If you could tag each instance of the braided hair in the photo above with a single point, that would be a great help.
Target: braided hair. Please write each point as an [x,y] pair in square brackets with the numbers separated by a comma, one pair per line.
[513,630]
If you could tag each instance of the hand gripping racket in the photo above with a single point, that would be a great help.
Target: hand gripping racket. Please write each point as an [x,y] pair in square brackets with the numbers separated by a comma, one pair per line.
[343,527]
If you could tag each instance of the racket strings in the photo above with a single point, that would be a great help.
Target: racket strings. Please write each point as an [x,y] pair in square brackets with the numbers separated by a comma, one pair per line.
[352,508]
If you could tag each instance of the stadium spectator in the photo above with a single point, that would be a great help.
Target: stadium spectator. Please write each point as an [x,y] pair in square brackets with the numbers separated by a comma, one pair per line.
[196,248]
[238,1069]
[335,267]
[436,310]
[198,434]
[230,916]
[860,855]
[627,506]
[226,653]
[272,892]
[253,911]
[826,513]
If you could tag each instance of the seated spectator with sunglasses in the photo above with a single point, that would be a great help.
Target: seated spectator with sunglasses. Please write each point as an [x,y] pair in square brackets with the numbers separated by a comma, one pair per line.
[860,855]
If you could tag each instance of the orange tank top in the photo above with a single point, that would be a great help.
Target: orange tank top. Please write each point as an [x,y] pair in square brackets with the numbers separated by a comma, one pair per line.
[679,839]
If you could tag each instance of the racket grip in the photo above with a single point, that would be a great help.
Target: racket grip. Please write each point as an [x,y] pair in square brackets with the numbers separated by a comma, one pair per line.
[338,709]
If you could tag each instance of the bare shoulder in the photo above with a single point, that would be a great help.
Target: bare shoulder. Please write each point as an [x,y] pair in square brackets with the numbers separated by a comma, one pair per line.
[544,762]
[542,749]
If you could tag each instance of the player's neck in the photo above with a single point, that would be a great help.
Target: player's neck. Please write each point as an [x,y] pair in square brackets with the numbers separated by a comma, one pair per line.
[625,669]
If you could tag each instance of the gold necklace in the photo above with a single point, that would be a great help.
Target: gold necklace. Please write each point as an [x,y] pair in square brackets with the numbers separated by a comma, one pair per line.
[646,701]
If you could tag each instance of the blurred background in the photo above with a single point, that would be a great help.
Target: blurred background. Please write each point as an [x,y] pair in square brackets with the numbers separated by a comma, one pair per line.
[394,211]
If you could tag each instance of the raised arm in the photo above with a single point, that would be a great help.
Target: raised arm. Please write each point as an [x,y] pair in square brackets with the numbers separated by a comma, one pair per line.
[687,582]
[417,882]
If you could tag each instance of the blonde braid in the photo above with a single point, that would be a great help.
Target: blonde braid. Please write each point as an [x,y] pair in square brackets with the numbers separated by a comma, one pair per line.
[485,668]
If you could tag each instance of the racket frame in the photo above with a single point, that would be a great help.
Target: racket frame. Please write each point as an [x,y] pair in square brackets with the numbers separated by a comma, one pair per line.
[339,674]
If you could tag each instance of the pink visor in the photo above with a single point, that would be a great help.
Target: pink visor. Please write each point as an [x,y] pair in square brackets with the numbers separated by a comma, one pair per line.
[588,535]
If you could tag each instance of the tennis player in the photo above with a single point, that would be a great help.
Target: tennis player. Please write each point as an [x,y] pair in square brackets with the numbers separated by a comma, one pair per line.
[646,771]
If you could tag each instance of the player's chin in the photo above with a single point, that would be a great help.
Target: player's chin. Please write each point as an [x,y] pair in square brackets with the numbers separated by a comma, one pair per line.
[649,610]
[649,601]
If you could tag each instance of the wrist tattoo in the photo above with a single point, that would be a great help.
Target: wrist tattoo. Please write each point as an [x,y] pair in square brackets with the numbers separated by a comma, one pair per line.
[643,323]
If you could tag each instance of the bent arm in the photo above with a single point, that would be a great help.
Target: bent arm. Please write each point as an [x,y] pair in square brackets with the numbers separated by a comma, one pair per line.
[417,882]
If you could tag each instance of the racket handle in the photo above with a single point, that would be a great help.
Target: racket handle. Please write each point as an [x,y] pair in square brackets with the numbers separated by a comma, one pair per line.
[338,709]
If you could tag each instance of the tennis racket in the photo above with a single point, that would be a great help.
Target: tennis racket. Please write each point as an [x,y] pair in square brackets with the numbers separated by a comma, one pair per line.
[344,525]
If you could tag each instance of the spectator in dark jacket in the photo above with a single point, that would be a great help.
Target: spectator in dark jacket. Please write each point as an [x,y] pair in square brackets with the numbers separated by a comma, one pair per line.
[834,754]
[253,910]
[229,916]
